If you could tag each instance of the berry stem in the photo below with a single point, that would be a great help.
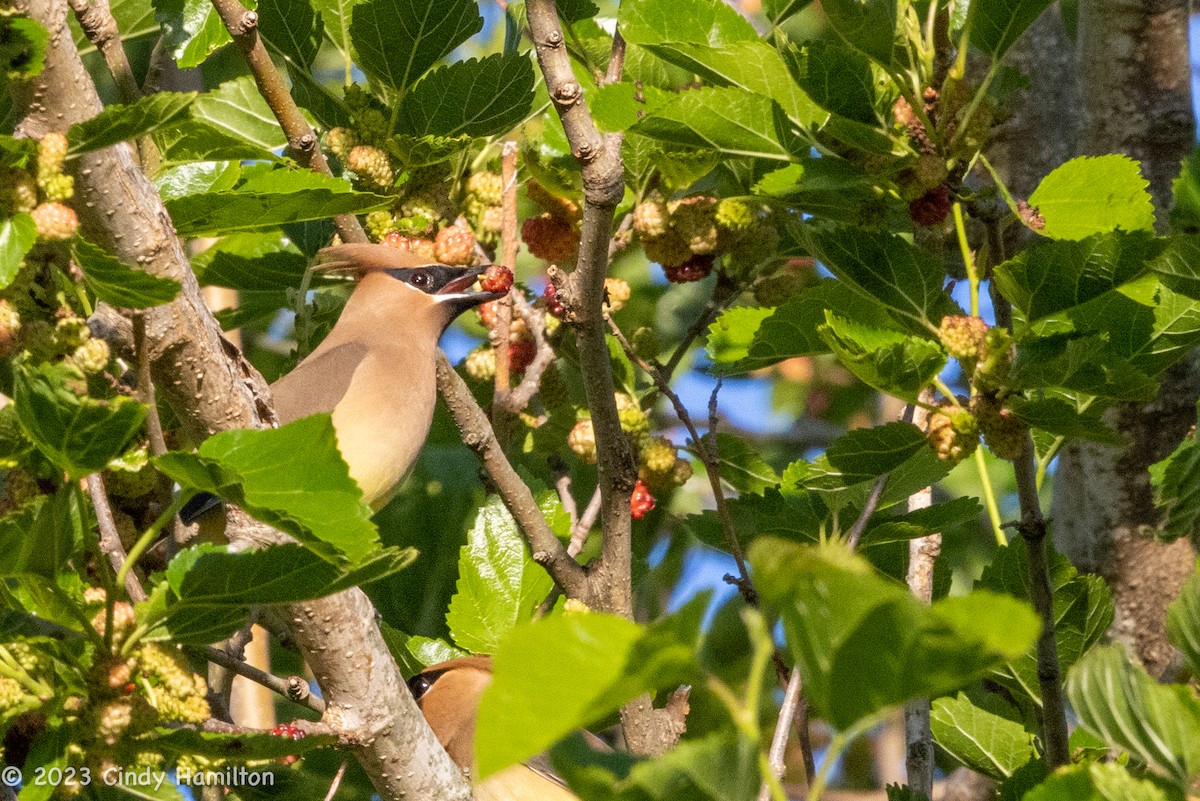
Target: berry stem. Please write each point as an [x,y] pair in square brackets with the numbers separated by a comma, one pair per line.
[989,498]
[968,258]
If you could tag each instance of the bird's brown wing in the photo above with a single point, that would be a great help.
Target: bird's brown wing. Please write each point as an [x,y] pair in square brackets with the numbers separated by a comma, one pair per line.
[318,382]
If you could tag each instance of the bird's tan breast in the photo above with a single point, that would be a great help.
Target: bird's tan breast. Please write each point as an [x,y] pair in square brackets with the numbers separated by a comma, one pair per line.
[519,783]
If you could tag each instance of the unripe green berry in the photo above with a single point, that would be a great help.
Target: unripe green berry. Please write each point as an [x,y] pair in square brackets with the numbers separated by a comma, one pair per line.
[379,224]
[480,363]
[582,441]
[735,215]
[51,152]
[695,220]
[486,187]
[56,187]
[371,165]
[92,356]
[953,433]
[650,217]
[963,337]
[340,142]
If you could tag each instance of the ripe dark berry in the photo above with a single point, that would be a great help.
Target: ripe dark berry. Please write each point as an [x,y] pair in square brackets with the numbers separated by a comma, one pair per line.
[694,269]
[289,731]
[931,208]
[520,355]
[553,304]
[641,502]
[497,278]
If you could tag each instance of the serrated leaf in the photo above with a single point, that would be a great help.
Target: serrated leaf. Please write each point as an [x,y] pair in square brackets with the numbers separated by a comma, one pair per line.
[117,123]
[499,586]
[17,237]
[731,121]
[869,26]
[1098,781]
[865,453]
[192,30]
[742,466]
[1093,195]
[707,22]
[997,24]
[1176,481]
[1185,192]
[251,263]
[887,360]
[836,78]
[780,10]
[565,672]
[1084,364]
[23,44]
[336,15]
[731,335]
[237,109]
[80,435]
[292,477]
[397,40]
[981,740]
[1183,622]
[40,537]
[1177,264]
[1083,610]
[118,284]
[887,268]
[291,28]
[1052,277]
[267,198]
[1122,705]
[864,644]
[1061,419]
[473,98]
[193,140]
[829,188]
[193,179]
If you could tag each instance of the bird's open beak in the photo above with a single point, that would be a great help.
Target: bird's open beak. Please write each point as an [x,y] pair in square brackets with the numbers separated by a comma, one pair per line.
[457,290]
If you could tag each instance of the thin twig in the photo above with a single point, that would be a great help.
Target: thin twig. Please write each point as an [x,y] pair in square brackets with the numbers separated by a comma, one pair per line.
[787,711]
[562,485]
[501,410]
[583,526]
[722,295]
[242,25]
[110,538]
[337,782]
[284,687]
[860,523]
[543,357]
[478,435]
[96,19]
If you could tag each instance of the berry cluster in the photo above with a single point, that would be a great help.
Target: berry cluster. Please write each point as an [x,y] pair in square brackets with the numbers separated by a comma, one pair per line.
[953,432]
[552,236]
[1003,432]
[42,195]
[687,235]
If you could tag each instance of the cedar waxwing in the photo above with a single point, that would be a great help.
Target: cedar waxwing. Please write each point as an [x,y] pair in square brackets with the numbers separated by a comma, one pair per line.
[448,694]
[375,372]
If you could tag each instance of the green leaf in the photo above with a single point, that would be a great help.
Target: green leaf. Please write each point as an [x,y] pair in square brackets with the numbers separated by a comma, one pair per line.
[719,767]
[867,25]
[80,435]
[17,236]
[267,198]
[864,644]
[1122,705]
[499,586]
[251,263]
[1183,622]
[22,48]
[1061,419]
[194,140]
[397,40]
[886,360]
[237,110]
[981,740]
[40,538]
[1177,264]
[1051,277]
[865,453]
[239,748]
[1083,364]
[780,10]
[490,97]
[887,268]
[705,22]
[117,123]
[566,672]
[732,121]
[134,18]
[292,28]
[731,335]
[336,15]
[1095,781]
[742,466]
[1185,210]
[837,78]
[118,284]
[192,30]
[996,24]
[1083,610]
[292,477]
[828,187]
[193,179]
[1093,195]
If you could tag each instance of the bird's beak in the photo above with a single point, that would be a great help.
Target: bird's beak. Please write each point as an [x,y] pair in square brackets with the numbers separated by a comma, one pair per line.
[456,292]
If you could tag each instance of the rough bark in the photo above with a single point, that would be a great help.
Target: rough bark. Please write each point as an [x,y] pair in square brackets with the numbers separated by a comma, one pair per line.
[1136,100]
[211,388]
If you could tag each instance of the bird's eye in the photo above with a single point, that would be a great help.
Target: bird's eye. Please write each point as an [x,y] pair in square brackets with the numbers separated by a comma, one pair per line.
[421,279]
[419,684]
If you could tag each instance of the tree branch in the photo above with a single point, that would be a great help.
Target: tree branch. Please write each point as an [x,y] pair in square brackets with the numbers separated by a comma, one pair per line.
[478,435]
[285,687]
[242,25]
[110,538]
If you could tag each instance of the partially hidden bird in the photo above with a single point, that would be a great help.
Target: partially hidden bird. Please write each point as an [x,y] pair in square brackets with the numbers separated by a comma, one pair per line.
[375,371]
[448,695]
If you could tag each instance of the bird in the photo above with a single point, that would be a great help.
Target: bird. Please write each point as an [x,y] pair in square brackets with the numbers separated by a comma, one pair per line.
[375,372]
[448,695]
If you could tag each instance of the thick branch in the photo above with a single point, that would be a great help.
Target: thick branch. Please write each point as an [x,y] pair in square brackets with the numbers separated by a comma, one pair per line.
[242,25]
[478,435]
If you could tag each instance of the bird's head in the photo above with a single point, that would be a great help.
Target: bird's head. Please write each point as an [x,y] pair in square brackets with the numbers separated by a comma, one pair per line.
[448,695]
[408,280]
